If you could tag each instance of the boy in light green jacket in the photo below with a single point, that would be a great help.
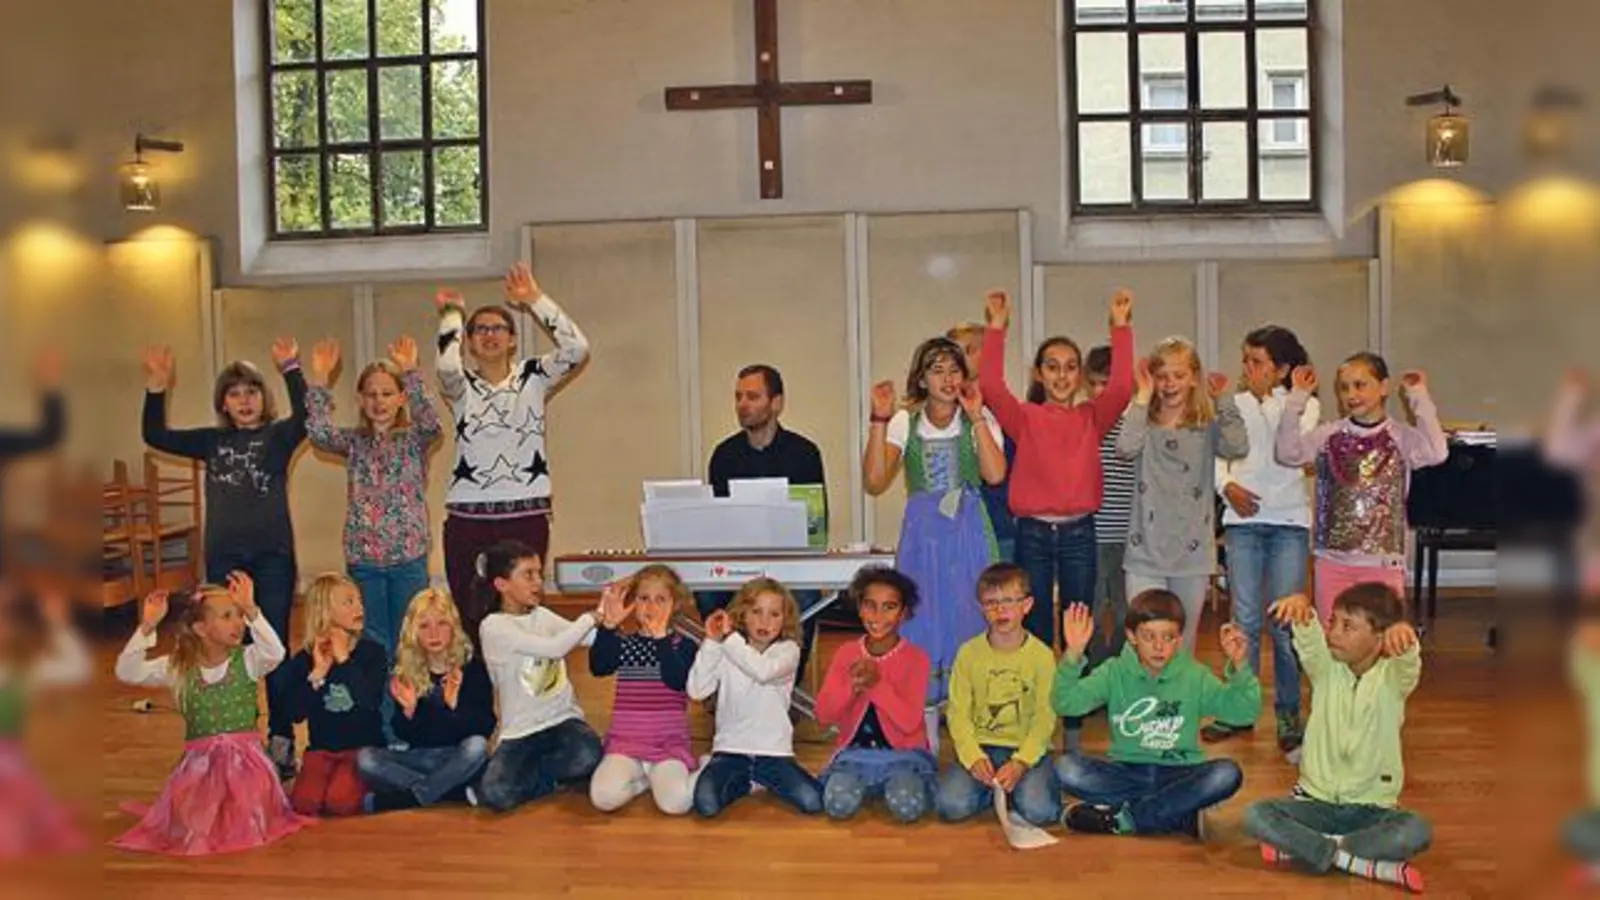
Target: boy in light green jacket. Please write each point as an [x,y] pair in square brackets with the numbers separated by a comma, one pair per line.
[1344,813]
[1157,780]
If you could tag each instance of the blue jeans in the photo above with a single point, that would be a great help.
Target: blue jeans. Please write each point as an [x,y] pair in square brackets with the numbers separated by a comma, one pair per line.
[1110,603]
[728,776]
[711,601]
[904,778]
[1037,796]
[386,592]
[274,575]
[1159,799]
[1302,828]
[430,773]
[527,768]
[1266,563]
[1062,554]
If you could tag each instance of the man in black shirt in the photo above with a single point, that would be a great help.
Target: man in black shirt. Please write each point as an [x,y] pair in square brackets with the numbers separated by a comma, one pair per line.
[763,449]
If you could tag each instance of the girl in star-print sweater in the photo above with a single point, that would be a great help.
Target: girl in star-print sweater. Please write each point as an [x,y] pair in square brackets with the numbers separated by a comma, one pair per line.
[500,480]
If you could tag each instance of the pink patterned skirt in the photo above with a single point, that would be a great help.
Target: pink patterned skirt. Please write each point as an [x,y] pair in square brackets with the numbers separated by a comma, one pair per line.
[32,823]
[223,797]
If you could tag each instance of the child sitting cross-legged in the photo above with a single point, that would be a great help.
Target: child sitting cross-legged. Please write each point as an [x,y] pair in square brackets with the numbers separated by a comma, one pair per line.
[1157,780]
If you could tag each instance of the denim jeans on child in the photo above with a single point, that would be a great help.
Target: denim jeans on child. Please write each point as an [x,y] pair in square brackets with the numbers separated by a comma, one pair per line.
[527,768]
[1158,799]
[1052,554]
[904,778]
[1037,796]
[386,592]
[1302,827]
[729,776]
[274,575]
[430,773]
[1265,563]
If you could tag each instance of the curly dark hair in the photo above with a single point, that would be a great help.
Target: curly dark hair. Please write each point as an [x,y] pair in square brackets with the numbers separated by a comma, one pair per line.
[891,578]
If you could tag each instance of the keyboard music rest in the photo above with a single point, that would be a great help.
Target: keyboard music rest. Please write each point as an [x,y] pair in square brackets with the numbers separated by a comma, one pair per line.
[1451,507]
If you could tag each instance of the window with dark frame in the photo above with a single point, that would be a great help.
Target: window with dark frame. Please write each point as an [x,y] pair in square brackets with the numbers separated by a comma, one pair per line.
[375,111]
[1191,106]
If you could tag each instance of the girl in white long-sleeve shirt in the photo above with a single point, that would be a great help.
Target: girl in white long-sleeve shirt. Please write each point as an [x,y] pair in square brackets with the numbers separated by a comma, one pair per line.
[749,660]
[544,741]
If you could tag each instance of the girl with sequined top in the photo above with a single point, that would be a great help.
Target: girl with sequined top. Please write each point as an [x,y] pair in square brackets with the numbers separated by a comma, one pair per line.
[1363,463]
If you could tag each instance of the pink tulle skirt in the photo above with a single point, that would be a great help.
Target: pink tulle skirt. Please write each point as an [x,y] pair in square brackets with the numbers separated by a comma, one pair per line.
[32,823]
[223,797]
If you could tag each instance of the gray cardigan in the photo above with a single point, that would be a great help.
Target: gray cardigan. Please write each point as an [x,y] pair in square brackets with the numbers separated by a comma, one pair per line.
[1172,529]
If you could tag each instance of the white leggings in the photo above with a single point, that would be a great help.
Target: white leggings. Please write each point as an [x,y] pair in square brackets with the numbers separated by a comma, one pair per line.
[622,778]
[1191,589]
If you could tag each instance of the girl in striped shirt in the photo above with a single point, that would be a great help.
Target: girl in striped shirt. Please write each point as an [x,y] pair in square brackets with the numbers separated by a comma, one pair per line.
[647,747]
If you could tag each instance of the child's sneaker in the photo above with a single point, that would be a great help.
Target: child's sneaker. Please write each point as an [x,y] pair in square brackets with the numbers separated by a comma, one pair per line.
[1195,826]
[1290,734]
[1217,731]
[281,751]
[1088,818]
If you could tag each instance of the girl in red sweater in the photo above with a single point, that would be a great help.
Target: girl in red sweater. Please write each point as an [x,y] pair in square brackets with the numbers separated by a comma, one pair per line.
[873,694]
[1055,484]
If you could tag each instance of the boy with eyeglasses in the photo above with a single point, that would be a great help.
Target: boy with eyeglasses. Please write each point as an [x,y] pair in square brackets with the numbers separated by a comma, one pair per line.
[999,710]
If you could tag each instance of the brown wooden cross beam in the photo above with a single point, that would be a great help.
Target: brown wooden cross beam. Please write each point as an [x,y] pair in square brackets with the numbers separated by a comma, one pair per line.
[769,95]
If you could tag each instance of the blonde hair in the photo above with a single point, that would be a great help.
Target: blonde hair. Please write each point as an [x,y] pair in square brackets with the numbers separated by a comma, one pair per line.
[319,605]
[963,329]
[682,600]
[185,658]
[402,416]
[410,660]
[746,600]
[1198,410]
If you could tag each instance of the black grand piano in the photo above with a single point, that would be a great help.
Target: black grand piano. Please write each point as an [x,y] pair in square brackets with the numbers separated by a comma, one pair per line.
[1484,495]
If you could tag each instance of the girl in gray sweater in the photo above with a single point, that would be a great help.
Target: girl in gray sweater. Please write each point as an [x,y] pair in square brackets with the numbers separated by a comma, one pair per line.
[1177,426]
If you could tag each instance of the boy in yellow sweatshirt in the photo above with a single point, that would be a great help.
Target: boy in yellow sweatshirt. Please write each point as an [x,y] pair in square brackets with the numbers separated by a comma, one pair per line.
[1344,813]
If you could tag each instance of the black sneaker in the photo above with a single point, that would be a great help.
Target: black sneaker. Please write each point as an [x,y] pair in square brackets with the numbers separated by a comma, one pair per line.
[388,801]
[1195,826]
[1087,818]
[1217,731]
[281,751]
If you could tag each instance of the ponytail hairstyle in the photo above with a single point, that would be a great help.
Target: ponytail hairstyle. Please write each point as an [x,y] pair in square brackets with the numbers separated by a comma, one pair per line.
[1283,348]
[498,561]
[185,659]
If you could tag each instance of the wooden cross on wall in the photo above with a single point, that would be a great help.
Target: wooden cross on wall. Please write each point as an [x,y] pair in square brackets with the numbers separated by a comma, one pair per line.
[769,95]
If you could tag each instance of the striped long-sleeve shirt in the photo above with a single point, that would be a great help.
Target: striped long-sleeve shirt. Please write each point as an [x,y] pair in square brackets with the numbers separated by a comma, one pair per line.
[649,715]
[1116,496]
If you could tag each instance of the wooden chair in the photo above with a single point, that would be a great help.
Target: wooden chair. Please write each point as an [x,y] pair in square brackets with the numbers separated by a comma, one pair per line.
[173,492]
[121,574]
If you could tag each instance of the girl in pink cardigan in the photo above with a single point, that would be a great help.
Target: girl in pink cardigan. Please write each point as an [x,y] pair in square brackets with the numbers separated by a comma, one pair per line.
[874,695]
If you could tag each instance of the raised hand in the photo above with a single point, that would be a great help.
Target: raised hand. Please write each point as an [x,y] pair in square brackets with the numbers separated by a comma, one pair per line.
[883,398]
[157,368]
[243,592]
[321,657]
[1077,626]
[47,369]
[1244,501]
[1121,307]
[1398,638]
[1414,380]
[1304,378]
[284,350]
[447,298]
[971,400]
[1144,381]
[983,770]
[1217,384]
[1295,609]
[1009,774]
[520,288]
[997,309]
[324,359]
[451,687]
[1576,379]
[153,611]
[1234,644]
[719,626]
[403,353]
[613,611]
[404,694]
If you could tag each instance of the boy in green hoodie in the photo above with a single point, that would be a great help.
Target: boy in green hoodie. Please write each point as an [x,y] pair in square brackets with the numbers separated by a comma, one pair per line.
[1343,813]
[1157,780]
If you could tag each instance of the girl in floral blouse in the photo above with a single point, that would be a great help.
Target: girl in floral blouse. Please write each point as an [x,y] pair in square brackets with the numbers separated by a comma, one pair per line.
[386,537]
